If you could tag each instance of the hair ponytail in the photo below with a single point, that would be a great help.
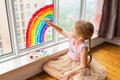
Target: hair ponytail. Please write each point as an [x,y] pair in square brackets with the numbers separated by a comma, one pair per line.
[89,53]
[86,30]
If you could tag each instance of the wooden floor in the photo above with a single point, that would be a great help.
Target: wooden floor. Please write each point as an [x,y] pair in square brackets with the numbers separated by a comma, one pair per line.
[106,54]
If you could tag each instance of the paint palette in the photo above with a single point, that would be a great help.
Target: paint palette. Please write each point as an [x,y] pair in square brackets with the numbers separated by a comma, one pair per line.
[38,54]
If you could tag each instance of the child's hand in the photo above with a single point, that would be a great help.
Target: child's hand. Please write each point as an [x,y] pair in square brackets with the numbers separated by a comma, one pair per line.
[65,76]
[47,21]
[57,28]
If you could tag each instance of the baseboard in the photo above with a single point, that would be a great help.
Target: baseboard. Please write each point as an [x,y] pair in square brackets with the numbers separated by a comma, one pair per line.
[114,41]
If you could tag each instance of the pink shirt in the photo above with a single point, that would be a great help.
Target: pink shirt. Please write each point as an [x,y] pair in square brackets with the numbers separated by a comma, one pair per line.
[74,51]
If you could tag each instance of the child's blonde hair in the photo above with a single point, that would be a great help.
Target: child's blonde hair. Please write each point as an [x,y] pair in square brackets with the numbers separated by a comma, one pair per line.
[86,30]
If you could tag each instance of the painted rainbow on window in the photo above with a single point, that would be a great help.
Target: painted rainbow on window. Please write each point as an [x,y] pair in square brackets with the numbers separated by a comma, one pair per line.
[36,28]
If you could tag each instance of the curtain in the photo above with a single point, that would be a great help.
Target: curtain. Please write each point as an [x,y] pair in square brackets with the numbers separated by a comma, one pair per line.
[110,20]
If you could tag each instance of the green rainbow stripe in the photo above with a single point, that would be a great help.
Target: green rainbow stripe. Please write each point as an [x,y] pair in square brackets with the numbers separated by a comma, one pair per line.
[37,27]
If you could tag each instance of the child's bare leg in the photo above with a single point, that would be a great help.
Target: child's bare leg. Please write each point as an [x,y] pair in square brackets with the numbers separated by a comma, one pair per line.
[52,71]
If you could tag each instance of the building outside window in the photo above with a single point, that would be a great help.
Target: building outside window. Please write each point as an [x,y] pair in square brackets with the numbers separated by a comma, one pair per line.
[5,37]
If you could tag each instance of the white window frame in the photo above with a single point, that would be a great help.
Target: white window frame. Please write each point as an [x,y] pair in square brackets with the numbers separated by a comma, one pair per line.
[13,30]
[12,49]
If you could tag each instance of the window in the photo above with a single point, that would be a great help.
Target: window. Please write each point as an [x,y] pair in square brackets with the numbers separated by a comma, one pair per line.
[23,31]
[23,24]
[35,5]
[22,16]
[17,24]
[28,5]
[28,14]
[18,32]
[0,44]
[0,37]
[69,11]
[38,34]
[17,16]
[19,40]
[5,40]
[28,22]
[16,8]
[21,7]
[24,38]
[20,0]
[93,13]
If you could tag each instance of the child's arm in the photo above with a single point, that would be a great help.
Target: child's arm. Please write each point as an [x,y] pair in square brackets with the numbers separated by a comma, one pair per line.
[57,28]
[83,62]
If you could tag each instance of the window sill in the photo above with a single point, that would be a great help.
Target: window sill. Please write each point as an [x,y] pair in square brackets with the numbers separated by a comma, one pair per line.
[25,59]
[15,62]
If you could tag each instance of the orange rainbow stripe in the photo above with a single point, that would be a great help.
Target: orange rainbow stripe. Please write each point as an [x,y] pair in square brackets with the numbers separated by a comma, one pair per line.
[35,33]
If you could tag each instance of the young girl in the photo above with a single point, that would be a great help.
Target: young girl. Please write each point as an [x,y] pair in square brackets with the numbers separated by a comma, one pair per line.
[76,64]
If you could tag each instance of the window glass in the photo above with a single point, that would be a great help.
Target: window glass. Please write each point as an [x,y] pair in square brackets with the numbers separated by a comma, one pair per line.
[5,39]
[93,13]
[29,21]
[69,11]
